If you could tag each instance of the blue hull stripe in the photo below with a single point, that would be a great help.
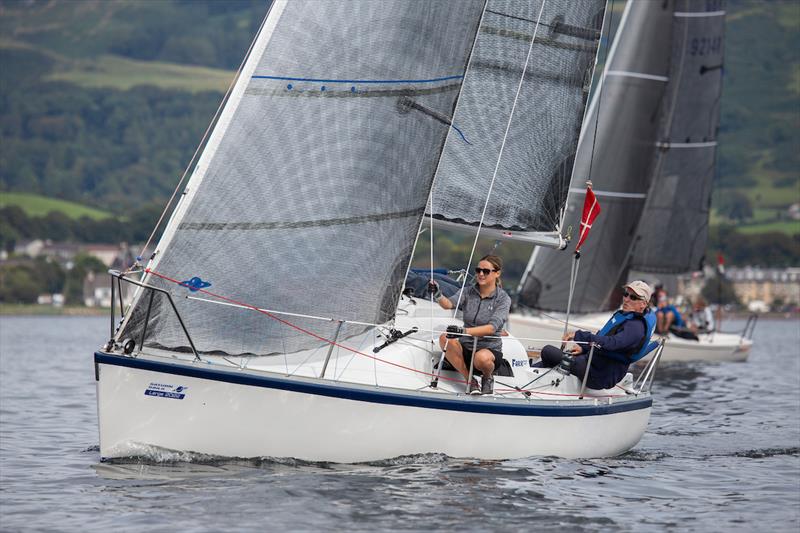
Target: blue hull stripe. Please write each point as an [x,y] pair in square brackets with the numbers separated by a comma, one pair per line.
[375,395]
[321,80]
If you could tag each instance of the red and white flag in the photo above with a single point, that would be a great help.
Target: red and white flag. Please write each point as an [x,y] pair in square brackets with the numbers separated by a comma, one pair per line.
[590,211]
[720,263]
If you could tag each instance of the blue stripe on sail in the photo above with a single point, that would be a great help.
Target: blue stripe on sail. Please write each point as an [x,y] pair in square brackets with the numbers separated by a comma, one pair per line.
[370,394]
[319,80]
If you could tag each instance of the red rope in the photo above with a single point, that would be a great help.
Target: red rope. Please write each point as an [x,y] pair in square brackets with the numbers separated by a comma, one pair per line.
[353,350]
[298,328]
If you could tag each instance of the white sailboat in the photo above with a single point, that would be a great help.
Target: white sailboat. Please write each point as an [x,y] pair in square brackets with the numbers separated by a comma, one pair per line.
[270,320]
[650,149]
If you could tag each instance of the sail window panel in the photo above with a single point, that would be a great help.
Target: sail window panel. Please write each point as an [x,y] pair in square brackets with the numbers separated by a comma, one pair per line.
[533,174]
[312,200]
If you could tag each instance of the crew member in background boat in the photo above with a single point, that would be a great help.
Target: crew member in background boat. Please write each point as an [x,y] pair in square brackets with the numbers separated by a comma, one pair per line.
[658,293]
[701,319]
[484,307]
[623,340]
[667,315]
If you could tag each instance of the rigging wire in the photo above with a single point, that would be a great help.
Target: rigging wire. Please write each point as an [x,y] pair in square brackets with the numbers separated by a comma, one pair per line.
[438,163]
[600,88]
[500,154]
[231,301]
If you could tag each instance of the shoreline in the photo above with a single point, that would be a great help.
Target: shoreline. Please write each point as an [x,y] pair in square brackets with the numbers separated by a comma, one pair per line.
[7,309]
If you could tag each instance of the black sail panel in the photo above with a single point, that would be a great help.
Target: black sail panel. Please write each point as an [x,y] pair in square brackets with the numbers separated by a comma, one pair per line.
[673,232]
[618,158]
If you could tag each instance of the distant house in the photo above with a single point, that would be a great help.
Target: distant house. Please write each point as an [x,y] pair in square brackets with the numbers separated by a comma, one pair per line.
[106,253]
[96,290]
[31,248]
[766,285]
[111,255]
[756,288]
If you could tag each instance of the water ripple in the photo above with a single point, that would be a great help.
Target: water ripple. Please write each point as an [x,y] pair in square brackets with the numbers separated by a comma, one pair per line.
[722,452]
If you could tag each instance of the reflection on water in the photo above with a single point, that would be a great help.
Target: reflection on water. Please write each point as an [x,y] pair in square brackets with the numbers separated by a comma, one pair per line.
[722,452]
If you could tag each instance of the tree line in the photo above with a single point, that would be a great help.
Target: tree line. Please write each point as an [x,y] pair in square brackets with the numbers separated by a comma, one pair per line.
[17,226]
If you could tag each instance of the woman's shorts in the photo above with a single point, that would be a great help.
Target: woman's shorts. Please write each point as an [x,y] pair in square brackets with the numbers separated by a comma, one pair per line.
[501,366]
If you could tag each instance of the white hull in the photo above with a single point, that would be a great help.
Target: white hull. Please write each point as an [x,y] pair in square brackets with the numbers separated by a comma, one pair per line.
[714,347]
[214,407]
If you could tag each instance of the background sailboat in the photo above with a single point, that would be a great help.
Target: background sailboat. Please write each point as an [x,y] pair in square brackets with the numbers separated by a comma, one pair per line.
[649,146]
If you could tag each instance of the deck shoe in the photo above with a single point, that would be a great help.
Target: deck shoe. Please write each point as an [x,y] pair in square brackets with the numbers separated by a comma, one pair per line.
[473,388]
[487,385]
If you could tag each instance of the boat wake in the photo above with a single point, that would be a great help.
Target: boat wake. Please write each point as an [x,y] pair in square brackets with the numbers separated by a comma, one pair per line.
[768,452]
[145,454]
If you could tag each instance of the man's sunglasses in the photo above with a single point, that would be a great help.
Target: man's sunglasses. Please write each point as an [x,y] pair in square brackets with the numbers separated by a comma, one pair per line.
[632,296]
[484,271]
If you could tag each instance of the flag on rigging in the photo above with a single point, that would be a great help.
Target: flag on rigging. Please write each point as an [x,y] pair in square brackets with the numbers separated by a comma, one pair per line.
[590,211]
[720,264]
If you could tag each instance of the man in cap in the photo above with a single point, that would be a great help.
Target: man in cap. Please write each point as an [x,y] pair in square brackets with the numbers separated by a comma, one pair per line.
[623,340]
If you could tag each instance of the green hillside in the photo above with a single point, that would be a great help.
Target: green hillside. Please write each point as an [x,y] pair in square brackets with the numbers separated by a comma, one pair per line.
[38,206]
[760,126]
[104,102]
[119,73]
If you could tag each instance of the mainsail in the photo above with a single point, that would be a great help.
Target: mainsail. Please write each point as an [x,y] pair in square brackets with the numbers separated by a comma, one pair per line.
[673,232]
[651,157]
[309,194]
[538,143]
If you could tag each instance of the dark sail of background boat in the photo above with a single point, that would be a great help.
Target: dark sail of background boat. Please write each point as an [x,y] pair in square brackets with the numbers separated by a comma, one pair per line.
[660,92]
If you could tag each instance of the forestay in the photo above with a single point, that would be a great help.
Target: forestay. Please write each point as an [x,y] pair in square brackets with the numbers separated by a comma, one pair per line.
[530,187]
[618,158]
[308,197]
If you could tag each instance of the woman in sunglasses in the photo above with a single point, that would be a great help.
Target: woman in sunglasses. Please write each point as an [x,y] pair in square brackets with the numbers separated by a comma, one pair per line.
[621,341]
[485,307]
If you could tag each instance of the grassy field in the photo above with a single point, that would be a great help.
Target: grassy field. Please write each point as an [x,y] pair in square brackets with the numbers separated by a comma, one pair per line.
[789,227]
[119,73]
[7,309]
[35,205]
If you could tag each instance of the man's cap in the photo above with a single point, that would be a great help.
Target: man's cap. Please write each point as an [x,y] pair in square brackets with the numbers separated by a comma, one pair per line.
[641,289]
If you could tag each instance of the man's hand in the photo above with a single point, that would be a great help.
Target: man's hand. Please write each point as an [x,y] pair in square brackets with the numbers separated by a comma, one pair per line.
[433,288]
[568,336]
[453,332]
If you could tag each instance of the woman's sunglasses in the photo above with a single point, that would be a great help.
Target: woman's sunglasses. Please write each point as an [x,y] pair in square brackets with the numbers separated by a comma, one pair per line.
[632,296]
[484,271]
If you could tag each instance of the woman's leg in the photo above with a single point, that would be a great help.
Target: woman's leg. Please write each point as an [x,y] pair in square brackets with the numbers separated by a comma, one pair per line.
[454,354]
[484,361]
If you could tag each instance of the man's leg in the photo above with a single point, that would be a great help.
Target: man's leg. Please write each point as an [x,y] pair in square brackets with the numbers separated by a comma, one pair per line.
[551,356]
[668,321]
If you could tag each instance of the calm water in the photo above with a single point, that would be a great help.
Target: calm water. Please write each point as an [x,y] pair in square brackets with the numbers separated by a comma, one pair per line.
[722,453]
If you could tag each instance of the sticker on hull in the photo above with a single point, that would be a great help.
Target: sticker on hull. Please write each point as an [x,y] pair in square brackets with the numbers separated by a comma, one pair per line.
[162,390]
